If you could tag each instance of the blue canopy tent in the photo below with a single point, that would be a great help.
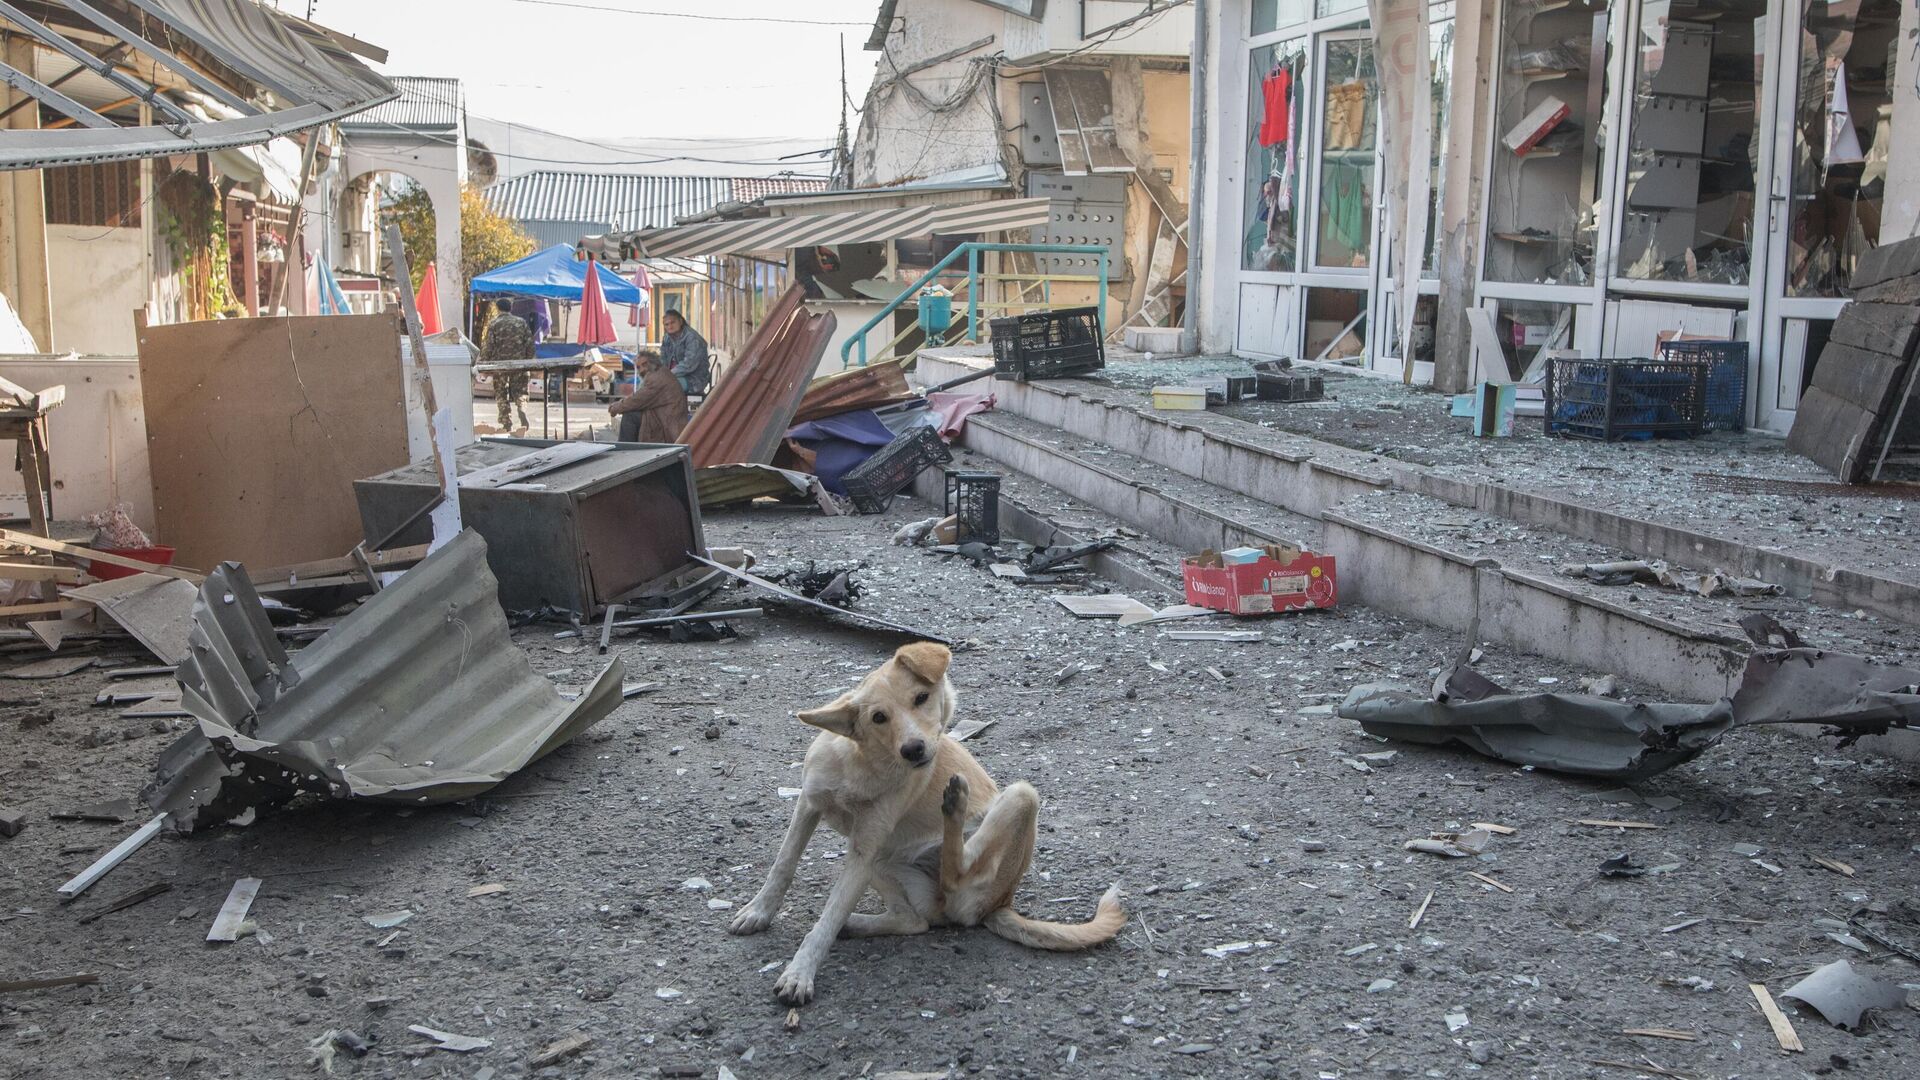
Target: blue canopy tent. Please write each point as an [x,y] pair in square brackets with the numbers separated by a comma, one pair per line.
[555,275]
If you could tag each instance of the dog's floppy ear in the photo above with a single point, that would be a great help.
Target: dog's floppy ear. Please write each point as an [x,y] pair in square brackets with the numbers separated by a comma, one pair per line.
[925,659]
[835,716]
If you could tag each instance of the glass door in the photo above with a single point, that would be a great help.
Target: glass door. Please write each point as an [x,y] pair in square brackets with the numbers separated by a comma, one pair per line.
[1831,132]
[1341,301]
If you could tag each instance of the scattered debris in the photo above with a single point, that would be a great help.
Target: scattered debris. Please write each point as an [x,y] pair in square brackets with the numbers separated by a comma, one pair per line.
[12,821]
[137,896]
[1420,912]
[227,924]
[14,986]
[1662,1033]
[447,1040]
[1240,636]
[387,920]
[84,879]
[968,728]
[1841,994]
[1621,865]
[53,667]
[1496,884]
[1782,1027]
[419,696]
[1456,1021]
[1608,824]
[792,1022]
[1834,865]
[491,889]
[1572,733]
[560,1050]
[861,617]
[1109,606]
[1464,845]
[829,586]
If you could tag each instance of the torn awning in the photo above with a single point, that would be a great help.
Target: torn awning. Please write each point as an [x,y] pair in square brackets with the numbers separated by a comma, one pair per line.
[269,74]
[815,230]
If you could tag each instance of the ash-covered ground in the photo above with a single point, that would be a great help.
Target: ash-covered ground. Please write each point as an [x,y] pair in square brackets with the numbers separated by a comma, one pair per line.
[1211,780]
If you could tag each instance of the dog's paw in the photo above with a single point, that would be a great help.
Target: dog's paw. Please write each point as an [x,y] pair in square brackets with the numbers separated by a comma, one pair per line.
[953,802]
[795,986]
[751,920]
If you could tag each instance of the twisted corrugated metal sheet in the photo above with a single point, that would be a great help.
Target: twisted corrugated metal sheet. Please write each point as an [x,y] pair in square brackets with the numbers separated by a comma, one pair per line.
[419,696]
[744,417]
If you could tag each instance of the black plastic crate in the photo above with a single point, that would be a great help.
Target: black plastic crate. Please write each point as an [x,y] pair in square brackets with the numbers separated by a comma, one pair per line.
[974,498]
[1726,379]
[1047,345]
[1614,399]
[873,483]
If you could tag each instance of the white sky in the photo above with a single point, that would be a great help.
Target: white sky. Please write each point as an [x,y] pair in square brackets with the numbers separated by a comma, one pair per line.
[612,75]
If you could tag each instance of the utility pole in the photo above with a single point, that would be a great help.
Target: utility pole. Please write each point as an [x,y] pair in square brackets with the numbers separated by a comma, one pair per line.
[842,155]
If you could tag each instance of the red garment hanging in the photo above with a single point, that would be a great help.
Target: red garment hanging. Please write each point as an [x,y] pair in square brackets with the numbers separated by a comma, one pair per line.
[1276,89]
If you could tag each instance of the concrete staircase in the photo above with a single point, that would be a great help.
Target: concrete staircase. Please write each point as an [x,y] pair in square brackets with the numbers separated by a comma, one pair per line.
[1418,545]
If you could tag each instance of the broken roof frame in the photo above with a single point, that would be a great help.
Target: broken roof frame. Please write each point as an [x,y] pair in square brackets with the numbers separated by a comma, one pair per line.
[300,75]
[419,696]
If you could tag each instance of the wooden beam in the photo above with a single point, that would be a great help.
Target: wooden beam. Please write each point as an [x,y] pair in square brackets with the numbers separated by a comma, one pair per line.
[60,575]
[41,543]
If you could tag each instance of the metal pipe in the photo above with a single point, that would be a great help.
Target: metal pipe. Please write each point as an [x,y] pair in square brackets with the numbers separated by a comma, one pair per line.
[1196,183]
[692,616]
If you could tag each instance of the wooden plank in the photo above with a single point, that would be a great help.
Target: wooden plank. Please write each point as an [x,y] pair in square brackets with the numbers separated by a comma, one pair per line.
[1832,432]
[1609,824]
[1866,379]
[1503,887]
[226,925]
[84,879]
[41,543]
[1883,328]
[86,978]
[1782,1027]
[257,429]
[59,575]
[137,896]
[1420,912]
[10,610]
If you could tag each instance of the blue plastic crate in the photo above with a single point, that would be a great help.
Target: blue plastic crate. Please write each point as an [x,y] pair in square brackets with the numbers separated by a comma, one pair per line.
[1614,399]
[1726,379]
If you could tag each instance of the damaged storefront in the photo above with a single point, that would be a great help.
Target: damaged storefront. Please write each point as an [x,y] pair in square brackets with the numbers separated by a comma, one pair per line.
[1601,178]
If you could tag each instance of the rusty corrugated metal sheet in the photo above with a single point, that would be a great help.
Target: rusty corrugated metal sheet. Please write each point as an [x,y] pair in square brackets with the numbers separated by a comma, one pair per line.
[855,388]
[724,485]
[743,419]
[419,696]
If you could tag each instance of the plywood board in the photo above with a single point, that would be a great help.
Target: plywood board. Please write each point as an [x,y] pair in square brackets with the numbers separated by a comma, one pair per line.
[257,429]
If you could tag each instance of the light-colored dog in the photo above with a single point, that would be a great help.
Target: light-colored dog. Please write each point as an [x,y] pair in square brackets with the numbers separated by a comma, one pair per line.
[883,773]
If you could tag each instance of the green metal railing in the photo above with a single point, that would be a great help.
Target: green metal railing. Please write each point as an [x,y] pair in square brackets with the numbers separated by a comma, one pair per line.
[972,251]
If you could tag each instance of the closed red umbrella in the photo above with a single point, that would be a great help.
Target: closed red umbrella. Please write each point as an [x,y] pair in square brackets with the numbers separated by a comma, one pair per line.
[428,301]
[596,321]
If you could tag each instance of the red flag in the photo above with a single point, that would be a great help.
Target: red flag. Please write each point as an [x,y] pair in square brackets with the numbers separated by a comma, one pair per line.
[427,300]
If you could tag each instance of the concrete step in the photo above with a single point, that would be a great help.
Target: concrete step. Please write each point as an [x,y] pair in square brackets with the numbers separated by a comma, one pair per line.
[1310,477]
[1414,556]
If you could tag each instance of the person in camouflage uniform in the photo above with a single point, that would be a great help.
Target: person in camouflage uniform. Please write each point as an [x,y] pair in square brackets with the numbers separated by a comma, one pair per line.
[508,338]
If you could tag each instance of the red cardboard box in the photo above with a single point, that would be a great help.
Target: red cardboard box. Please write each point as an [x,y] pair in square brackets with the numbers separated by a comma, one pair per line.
[1261,587]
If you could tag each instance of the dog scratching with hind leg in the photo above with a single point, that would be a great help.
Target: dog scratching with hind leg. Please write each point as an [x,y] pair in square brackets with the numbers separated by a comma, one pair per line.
[883,774]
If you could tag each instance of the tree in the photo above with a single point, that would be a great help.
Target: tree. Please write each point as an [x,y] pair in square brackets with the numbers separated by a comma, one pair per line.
[488,238]
[412,210]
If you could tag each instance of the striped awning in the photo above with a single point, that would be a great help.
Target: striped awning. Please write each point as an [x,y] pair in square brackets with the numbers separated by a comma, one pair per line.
[814,230]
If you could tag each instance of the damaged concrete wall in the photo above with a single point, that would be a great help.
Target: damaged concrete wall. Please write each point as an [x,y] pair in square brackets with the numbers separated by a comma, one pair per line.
[935,119]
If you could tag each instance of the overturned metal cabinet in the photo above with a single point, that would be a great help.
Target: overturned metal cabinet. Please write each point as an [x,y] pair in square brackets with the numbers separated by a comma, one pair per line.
[569,525]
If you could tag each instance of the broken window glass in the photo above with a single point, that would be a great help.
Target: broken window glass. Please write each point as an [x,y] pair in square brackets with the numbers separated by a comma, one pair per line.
[1841,130]
[1547,161]
[1694,157]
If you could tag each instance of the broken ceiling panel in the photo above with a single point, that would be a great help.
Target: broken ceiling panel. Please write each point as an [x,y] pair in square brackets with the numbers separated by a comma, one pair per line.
[217,73]
[1083,117]
[419,696]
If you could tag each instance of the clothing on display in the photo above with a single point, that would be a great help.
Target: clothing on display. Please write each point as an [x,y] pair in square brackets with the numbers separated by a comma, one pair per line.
[1278,92]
